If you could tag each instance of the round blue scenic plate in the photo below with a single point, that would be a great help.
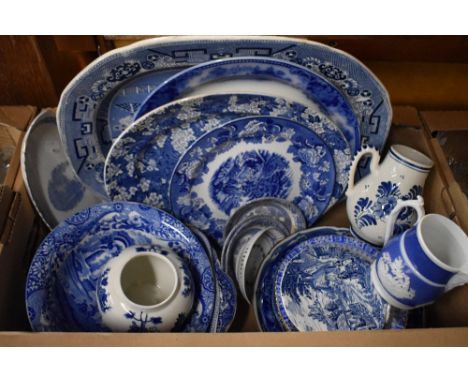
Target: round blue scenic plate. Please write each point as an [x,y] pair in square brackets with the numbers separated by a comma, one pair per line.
[314,91]
[140,164]
[63,276]
[328,311]
[248,159]
[102,99]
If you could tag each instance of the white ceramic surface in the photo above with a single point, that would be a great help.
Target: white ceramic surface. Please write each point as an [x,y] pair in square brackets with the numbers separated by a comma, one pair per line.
[52,185]
[147,286]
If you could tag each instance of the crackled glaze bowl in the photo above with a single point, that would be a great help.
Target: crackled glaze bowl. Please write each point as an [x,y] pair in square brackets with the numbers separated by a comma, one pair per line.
[145,286]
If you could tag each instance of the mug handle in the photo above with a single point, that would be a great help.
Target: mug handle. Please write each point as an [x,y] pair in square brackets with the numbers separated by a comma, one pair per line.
[375,159]
[417,204]
[460,278]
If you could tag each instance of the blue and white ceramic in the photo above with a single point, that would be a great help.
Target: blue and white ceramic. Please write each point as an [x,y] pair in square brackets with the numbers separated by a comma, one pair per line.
[324,316]
[260,75]
[141,161]
[414,267]
[101,100]
[241,233]
[145,288]
[63,278]
[55,191]
[249,159]
[401,176]
[226,295]
[274,208]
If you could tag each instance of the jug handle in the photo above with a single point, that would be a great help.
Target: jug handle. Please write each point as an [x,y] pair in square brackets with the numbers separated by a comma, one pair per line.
[416,204]
[375,159]
[460,278]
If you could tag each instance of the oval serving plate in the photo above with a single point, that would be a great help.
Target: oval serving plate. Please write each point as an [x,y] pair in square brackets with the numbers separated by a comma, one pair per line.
[55,191]
[140,163]
[101,100]
[266,76]
[63,276]
[248,159]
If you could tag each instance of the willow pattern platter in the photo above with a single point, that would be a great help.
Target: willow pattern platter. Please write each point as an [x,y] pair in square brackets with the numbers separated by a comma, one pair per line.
[55,191]
[140,163]
[249,159]
[265,76]
[102,99]
[269,317]
[62,280]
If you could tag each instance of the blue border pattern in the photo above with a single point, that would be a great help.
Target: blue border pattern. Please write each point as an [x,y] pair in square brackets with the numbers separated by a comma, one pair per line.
[84,105]
[63,276]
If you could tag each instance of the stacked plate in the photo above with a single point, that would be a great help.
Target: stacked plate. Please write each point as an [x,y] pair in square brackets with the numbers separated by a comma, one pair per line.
[201,127]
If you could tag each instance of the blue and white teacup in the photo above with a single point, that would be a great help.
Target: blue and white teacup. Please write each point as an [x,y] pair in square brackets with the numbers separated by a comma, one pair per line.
[414,268]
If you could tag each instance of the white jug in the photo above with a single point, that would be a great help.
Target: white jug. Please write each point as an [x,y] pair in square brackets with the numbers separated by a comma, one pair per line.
[401,176]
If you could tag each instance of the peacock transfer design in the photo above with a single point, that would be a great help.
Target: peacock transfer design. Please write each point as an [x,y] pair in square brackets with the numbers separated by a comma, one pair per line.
[368,212]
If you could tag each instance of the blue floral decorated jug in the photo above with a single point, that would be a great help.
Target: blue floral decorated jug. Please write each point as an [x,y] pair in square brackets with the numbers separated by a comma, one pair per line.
[401,175]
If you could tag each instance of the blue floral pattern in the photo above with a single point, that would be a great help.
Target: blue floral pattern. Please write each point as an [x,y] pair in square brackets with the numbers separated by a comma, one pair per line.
[141,162]
[250,175]
[368,212]
[319,92]
[205,189]
[88,100]
[141,322]
[325,316]
[62,282]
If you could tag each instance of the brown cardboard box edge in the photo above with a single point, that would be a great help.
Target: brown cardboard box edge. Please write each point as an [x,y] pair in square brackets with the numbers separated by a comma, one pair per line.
[408,337]
[406,122]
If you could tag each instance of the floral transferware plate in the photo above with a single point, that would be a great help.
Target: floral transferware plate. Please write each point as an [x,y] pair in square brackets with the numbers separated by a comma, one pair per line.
[323,316]
[102,99]
[53,187]
[260,75]
[274,208]
[248,159]
[62,280]
[226,295]
[140,163]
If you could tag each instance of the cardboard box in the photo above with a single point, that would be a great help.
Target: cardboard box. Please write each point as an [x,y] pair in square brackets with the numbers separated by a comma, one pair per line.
[448,317]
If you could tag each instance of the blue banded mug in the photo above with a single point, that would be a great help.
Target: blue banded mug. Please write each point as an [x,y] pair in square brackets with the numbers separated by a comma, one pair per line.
[414,268]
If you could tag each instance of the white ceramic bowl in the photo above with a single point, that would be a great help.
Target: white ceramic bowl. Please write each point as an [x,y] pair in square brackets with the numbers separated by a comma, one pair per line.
[143,290]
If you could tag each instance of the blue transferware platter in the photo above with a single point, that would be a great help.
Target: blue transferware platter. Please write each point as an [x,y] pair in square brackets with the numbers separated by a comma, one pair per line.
[269,317]
[55,191]
[260,75]
[140,163]
[226,295]
[274,208]
[63,276]
[102,99]
[248,159]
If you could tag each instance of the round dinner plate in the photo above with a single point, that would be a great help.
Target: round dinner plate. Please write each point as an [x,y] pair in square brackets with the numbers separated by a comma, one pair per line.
[63,276]
[248,159]
[332,310]
[265,76]
[141,162]
[101,100]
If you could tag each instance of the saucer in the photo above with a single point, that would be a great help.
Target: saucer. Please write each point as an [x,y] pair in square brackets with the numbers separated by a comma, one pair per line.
[248,159]
[141,161]
[274,208]
[63,276]
[55,191]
